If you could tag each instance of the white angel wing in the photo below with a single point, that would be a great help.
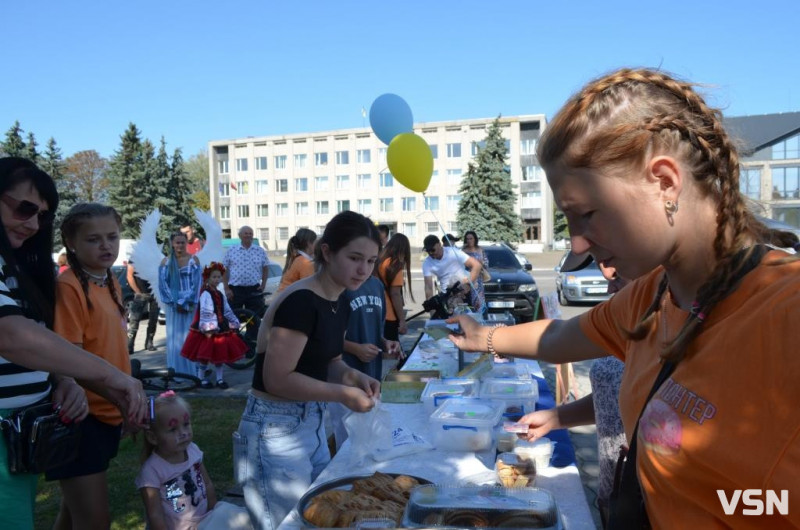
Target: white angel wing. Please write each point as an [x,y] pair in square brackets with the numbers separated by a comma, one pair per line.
[146,253]
[212,250]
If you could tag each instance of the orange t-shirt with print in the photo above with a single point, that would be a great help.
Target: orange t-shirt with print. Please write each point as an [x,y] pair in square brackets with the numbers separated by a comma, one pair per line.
[728,418]
[101,330]
[301,267]
[398,281]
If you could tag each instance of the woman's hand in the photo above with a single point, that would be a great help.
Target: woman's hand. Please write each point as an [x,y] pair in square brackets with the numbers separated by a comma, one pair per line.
[357,400]
[366,352]
[71,398]
[393,349]
[127,394]
[370,386]
[540,423]
[474,335]
[402,328]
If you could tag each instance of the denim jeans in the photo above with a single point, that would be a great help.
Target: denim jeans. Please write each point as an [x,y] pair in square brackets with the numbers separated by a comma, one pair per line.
[278,451]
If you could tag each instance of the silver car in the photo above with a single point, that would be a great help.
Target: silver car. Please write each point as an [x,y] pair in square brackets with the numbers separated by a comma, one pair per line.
[584,285]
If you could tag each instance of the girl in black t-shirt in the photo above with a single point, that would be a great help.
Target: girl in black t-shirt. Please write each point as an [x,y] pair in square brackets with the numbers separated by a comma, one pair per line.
[281,445]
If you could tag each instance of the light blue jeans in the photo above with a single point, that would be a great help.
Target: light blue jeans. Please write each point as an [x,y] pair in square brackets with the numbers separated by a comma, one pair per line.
[278,451]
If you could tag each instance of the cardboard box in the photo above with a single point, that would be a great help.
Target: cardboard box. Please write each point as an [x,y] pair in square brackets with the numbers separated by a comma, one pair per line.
[406,386]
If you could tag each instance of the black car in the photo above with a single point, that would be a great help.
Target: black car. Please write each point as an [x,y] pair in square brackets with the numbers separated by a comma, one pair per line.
[512,288]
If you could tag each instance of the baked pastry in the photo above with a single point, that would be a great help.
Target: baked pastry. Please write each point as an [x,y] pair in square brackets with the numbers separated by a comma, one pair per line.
[377,480]
[321,513]
[405,482]
[336,497]
[362,501]
[390,492]
[466,518]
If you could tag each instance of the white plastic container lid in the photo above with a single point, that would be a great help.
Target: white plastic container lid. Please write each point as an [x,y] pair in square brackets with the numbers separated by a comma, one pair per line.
[510,390]
[470,412]
[438,390]
[509,371]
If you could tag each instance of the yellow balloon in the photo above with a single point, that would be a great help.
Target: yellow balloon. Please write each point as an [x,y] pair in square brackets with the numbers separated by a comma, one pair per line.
[410,160]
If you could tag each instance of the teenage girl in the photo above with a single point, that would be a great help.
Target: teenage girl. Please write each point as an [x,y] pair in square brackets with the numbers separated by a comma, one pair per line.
[395,257]
[299,258]
[211,337]
[89,313]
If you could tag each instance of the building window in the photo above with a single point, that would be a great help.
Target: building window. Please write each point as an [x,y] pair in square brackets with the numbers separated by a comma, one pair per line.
[301,208]
[382,154]
[453,227]
[454,150]
[431,227]
[342,182]
[786,183]
[261,163]
[263,234]
[300,160]
[531,199]
[787,149]
[387,205]
[434,179]
[431,203]
[342,158]
[224,189]
[322,208]
[527,146]
[320,183]
[301,184]
[242,187]
[283,233]
[320,159]
[224,212]
[453,177]
[365,206]
[531,174]
[364,156]
[434,151]
[452,202]
[750,182]
[262,210]
[280,162]
[410,229]
[241,164]
[222,166]
[262,187]
[477,146]
[409,204]
[281,185]
[386,180]
[243,210]
[282,209]
[342,206]
[364,180]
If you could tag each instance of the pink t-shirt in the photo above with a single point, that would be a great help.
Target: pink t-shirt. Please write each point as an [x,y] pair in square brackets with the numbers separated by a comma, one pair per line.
[184,498]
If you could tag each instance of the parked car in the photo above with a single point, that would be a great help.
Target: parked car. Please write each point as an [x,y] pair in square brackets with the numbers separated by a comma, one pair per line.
[584,285]
[512,288]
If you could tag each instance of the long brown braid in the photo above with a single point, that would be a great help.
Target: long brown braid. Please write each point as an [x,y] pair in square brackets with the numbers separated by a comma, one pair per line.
[76,216]
[622,119]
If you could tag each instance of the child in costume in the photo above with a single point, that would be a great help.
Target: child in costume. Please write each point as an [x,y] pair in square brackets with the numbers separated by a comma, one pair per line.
[212,337]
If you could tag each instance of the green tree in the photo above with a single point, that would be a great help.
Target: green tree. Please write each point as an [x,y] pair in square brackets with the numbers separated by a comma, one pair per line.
[128,182]
[162,190]
[87,171]
[53,164]
[560,228]
[183,186]
[488,200]
[30,151]
[14,144]
[197,172]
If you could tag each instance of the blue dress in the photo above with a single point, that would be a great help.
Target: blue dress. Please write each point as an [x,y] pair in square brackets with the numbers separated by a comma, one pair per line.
[478,296]
[179,311]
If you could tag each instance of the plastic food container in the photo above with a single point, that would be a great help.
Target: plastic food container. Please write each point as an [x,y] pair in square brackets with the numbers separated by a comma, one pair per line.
[439,390]
[514,471]
[518,396]
[540,451]
[480,507]
[506,441]
[464,424]
[510,371]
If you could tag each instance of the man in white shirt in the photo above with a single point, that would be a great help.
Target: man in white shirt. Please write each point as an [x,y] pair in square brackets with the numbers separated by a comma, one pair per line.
[247,269]
[448,265]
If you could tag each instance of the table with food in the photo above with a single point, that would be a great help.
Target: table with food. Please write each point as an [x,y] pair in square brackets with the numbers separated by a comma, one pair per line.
[441,450]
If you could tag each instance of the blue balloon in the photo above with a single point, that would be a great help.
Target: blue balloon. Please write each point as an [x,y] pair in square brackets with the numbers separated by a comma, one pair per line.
[389,116]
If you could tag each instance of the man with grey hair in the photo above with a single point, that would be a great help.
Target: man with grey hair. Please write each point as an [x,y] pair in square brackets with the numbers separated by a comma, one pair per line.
[246,271]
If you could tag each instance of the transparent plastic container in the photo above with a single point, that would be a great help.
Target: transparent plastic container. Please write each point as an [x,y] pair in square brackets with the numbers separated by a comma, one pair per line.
[465,424]
[510,371]
[480,507]
[518,396]
[505,440]
[439,390]
[539,450]
[514,471]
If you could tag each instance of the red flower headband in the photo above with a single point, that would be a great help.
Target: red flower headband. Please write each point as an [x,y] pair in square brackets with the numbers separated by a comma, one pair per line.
[213,266]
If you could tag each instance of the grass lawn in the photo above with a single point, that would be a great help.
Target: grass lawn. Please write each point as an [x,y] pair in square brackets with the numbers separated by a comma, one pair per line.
[213,421]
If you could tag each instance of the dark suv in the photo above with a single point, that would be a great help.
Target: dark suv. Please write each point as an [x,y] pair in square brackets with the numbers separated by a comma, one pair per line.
[511,288]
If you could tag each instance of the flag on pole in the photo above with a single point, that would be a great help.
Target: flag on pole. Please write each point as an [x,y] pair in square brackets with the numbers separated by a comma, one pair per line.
[233,186]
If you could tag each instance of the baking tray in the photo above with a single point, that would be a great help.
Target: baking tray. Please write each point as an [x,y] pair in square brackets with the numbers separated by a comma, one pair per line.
[344,483]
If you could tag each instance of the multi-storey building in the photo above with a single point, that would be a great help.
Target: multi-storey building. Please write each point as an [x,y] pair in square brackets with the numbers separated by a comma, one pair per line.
[277,184]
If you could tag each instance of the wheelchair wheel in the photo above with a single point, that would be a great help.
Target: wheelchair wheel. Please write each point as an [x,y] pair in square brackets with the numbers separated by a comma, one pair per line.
[164,379]
[249,323]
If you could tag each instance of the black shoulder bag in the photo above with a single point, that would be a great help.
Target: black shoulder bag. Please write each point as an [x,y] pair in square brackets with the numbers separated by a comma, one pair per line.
[627,504]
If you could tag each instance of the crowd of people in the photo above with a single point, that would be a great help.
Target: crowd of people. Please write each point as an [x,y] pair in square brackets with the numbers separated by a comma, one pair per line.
[648,179]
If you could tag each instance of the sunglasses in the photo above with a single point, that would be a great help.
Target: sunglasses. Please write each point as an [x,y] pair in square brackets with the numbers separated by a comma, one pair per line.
[24,210]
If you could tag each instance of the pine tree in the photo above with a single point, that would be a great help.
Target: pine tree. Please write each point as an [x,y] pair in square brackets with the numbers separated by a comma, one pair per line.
[53,164]
[182,183]
[30,151]
[162,189]
[560,227]
[14,145]
[127,182]
[488,200]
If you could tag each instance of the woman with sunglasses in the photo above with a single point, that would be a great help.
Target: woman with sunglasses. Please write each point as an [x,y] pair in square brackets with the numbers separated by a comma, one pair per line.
[36,364]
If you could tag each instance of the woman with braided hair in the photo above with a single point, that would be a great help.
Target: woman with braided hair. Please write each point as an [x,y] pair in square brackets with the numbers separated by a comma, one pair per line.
[649,181]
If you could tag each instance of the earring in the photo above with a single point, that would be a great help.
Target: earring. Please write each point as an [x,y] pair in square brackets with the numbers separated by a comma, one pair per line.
[671,207]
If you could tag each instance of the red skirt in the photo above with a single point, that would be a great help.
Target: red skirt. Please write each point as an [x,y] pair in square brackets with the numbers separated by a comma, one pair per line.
[219,348]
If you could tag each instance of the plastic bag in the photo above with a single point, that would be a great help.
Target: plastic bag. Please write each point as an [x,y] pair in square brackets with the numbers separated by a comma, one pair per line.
[371,436]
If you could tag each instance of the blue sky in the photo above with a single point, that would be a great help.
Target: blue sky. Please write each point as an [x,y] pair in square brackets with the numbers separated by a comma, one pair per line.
[195,71]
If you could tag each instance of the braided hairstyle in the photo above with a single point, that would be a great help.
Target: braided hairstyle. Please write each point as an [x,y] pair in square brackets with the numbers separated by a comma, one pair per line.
[300,241]
[622,120]
[76,216]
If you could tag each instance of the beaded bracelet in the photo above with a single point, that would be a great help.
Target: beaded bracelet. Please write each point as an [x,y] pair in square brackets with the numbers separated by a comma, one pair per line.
[489,345]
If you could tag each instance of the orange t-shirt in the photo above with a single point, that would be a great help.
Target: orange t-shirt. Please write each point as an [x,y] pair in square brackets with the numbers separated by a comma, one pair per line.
[301,267]
[398,281]
[101,330]
[728,417]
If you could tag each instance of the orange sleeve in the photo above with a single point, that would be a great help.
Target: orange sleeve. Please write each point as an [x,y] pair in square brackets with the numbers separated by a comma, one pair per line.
[72,314]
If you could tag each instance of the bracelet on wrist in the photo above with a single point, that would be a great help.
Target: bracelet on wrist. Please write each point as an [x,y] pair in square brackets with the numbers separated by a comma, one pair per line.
[489,345]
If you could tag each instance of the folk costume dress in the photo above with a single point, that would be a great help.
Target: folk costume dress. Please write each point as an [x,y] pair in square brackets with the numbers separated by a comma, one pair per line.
[179,287]
[213,315]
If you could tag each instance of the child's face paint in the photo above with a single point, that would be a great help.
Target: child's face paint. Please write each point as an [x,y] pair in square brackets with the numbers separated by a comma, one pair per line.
[173,431]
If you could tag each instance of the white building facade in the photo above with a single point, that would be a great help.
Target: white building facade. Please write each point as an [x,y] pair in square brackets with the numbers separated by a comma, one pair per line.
[278,184]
